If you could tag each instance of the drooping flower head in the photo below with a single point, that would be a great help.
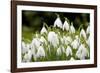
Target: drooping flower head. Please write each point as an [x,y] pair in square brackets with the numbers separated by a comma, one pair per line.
[35,43]
[83,34]
[68,51]
[88,30]
[57,22]
[53,39]
[67,40]
[60,50]
[25,47]
[43,30]
[82,52]
[27,57]
[40,52]
[66,25]
[75,44]
[72,29]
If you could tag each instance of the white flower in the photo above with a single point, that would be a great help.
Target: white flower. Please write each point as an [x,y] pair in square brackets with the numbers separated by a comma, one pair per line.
[53,39]
[72,59]
[43,30]
[40,52]
[25,47]
[35,43]
[27,57]
[43,40]
[83,34]
[67,40]
[88,30]
[88,41]
[66,26]
[68,51]
[82,52]
[75,44]
[72,29]
[57,22]
[60,50]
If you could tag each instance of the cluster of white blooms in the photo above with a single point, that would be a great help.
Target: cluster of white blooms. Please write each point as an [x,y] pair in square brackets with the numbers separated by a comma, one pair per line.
[56,44]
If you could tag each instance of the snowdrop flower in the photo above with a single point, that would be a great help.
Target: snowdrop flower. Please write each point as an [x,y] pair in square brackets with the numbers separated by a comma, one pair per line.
[57,22]
[82,52]
[60,50]
[75,44]
[66,25]
[72,59]
[72,29]
[25,47]
[68,51]
[67,40]
[27,57]
[43,40]
[88,41]
[35,43]
[43,30]
[40,52]
[53,39]
[88,30]
[83,34]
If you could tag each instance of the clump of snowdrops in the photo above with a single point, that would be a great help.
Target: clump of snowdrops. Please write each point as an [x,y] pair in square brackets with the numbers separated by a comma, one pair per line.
[59,42]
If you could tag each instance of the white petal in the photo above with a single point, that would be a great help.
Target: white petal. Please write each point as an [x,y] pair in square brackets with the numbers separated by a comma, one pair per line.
[35,43]
[41,52]
[83,34]
[72,59]
[53,38]
[27,56]
[75,44]
[43,30]
[68,51]
[67,40]
[43,40]
[72,29]
[66,26]
[88,30]
[82,52]
[58,22]
[25,47]
[59,52]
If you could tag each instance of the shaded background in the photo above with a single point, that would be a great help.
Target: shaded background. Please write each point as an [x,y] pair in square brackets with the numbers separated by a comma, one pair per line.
[32,21]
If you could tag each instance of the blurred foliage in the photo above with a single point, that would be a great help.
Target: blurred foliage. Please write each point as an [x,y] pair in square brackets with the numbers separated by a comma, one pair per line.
[32,21]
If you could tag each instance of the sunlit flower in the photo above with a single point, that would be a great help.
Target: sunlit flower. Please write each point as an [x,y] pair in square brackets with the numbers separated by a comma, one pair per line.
[66,25]
[43,40]
[72,29]
[27,57]
[25,47]
[57,22]
[82,52]
[75,44]
[72,59]
[67,40]
[88,30]
[35,43]
[88,41]
[68,51]
[60,50]
[43,30]
[83,34]
[53,39]
[40,52]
